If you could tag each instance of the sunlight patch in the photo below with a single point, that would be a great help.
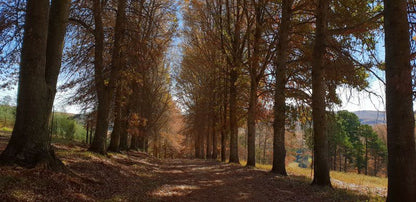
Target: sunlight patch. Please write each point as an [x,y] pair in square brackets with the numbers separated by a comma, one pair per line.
[174,190]
[23,195]
[170,171]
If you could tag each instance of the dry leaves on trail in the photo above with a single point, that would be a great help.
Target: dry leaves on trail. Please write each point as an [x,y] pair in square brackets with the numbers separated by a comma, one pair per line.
[136,176]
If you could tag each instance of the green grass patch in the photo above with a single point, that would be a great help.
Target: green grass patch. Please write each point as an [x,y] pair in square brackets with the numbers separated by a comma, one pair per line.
[6,129]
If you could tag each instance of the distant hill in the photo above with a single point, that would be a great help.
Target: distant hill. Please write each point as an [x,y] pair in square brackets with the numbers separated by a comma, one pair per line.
[371,117]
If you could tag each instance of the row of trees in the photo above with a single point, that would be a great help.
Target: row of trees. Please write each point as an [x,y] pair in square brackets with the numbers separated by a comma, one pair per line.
[125,77]
[241,56]
[113,55]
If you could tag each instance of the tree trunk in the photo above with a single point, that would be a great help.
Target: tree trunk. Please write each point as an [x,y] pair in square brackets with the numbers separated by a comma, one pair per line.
[141,141]
[399,104]
[223,147]
[146,144]
[251,122]
[134,144]
[99,141]
[105,88]
[118,124]
[233,117]
[345,164]
[321,167]
[208,153]
[264,148]
[155,146]
[201,145]
[41,56]
[124,135]
[88,130]
[340,161]
[91,134]
[335,159]
[366,155]
[197,146]
[214,140]
[279,151]
[224,131]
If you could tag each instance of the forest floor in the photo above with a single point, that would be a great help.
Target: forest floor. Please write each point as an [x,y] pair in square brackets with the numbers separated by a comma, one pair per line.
[135,176]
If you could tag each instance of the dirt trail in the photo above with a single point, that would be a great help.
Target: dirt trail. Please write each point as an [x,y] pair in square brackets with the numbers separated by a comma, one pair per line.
[135,176]
[199,180]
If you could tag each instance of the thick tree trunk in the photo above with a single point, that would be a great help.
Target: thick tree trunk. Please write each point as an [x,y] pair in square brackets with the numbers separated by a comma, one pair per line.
[58,18]
[320,149]
[279,109]
[29,145]
[99,141]
[118,124]
[233,117]
[399,104]
[251,122]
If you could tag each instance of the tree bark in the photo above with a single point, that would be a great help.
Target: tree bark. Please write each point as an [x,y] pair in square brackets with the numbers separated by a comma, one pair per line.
[224,130]
[41,56]
[321,167]
[251,122]
[118,124]
[399,104]
[366,155]
[214,140]
[208,145]
[99,141]
[279,150]
[201,144]
[134,143]
[233,117]
[124,135]
[105,87]
[197,146]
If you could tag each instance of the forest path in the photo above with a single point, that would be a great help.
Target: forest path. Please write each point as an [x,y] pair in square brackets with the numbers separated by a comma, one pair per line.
[200,180]
[136,176]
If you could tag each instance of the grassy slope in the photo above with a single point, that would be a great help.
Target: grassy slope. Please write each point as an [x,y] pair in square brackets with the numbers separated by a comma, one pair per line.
[376,186]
